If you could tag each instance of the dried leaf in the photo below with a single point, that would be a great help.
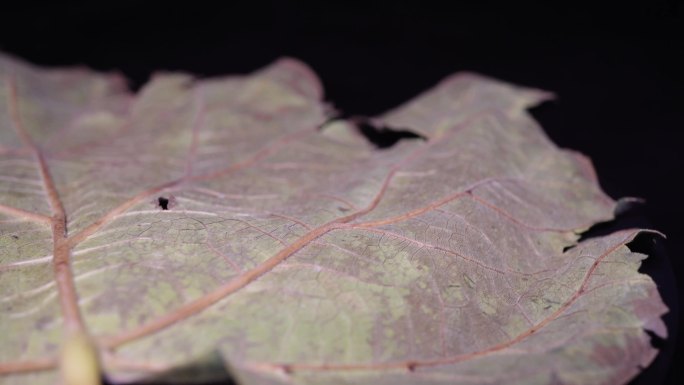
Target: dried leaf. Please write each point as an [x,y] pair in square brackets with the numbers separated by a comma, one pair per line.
[222,218]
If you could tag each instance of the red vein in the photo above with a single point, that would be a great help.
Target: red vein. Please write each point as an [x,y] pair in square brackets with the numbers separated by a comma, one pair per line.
[465,193]
[68,298]
[258,230]
[431,206]
[216,251]
[413,213]
[411,365]
[435,247]
[28,365]
[22,214]
[511,218]
[58,213]
[291,219]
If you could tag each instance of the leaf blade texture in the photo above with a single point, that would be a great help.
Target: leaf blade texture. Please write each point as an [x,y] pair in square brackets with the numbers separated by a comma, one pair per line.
[292,249]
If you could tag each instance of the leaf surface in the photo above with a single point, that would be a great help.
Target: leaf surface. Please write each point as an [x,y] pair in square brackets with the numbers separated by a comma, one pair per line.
[225,218]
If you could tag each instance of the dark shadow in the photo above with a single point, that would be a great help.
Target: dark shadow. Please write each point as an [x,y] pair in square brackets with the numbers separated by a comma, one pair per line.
[629,214]
[384,137]
[206,370]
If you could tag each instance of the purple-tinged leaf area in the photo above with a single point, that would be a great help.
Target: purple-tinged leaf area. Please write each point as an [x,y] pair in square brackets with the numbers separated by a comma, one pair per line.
[231,217]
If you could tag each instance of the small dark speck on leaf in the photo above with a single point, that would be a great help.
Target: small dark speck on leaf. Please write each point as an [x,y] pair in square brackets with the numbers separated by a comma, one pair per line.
[163,203]
[343,209]
[15,236]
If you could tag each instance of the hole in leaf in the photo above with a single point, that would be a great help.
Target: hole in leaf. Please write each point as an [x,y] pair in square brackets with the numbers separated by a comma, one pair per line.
[380,136]
[163,203]
[383,136]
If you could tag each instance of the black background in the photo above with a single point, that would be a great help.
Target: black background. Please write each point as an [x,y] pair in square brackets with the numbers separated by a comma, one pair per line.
[617,69]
